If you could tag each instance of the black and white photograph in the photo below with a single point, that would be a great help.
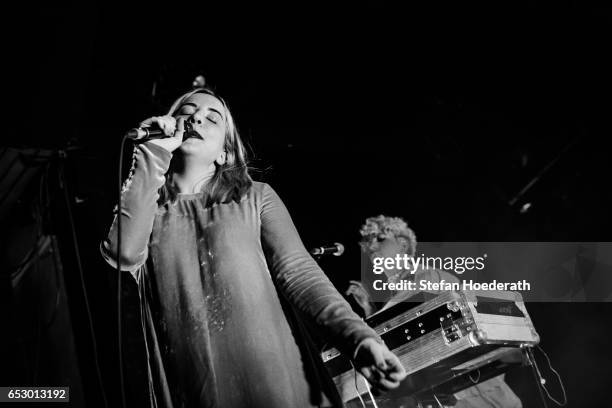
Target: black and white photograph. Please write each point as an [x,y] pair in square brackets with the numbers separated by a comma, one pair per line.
[306,205]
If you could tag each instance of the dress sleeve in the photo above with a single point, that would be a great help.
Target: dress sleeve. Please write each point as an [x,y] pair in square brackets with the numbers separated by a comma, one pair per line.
[138,206]
[302,281]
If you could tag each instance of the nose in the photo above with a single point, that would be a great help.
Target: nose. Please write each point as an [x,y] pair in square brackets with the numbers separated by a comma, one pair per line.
[194,119]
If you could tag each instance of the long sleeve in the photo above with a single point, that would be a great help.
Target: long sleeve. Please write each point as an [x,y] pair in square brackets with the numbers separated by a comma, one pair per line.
[301,280]
[138,206]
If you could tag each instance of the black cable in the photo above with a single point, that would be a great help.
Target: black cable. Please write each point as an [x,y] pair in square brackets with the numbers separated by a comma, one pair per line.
[4,150]
[64,187]
[40,217]
[119,334]
[11,188]
[34,265]
[6,171]
[31,260]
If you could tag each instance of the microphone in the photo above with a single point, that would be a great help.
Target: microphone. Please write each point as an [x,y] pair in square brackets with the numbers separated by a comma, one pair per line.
[142,134]
[336,249]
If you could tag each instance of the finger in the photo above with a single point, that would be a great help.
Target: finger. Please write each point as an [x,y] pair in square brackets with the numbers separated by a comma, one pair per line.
[379,380]
[361,300]
[165,123]
[379,375]
[169,126]
[379,358]
[180,127]
[148,122]
[374,375]
[385,384]
[367,373]
[395,373]
[394,364]
[356,283]
[358,293]
[171,120]
[395,376]
[161,123]
[383,360]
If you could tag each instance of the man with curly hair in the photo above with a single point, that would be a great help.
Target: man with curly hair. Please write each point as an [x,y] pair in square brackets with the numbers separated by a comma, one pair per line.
[387,237]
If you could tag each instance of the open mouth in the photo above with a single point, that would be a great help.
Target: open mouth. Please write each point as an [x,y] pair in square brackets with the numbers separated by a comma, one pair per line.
[192,134]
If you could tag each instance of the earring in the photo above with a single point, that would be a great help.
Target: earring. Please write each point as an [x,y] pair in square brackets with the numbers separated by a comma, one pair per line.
[222,159]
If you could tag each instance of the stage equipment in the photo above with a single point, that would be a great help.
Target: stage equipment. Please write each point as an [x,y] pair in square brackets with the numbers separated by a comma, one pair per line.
[446,342]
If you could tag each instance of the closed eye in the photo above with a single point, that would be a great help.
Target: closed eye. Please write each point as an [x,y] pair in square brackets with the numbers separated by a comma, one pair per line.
[184,112]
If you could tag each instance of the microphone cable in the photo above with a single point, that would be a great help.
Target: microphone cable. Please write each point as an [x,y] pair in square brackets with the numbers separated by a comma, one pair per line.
[373,400]
[118,262]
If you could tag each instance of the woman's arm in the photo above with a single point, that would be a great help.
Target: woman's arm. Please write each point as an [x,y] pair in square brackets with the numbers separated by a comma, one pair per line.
[138,205]
[305,285]
[301,280]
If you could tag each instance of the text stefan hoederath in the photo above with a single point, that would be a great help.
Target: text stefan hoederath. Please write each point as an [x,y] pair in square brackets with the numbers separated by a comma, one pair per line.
[458,264]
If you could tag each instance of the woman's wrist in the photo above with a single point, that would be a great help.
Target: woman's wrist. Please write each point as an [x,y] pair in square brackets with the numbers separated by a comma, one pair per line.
[157,149]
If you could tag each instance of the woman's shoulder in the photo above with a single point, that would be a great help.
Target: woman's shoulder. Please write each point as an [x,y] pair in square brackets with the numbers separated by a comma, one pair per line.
[259,186]
[261,189]
[262,194]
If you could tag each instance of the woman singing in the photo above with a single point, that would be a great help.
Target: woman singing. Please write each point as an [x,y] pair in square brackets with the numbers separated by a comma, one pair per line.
[221,268]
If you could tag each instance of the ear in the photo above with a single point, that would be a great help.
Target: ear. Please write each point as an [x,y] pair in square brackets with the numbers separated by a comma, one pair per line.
[221,159]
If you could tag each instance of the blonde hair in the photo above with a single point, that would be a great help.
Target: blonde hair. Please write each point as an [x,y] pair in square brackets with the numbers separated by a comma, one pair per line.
[231,180]
[381,227]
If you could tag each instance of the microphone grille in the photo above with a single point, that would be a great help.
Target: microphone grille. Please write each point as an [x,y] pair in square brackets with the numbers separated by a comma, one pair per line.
[340,250]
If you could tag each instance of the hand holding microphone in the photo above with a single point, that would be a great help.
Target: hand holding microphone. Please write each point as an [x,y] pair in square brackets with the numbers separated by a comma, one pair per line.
[168,134]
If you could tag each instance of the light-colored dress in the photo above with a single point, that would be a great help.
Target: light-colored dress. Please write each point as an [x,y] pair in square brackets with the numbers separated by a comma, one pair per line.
[219,289]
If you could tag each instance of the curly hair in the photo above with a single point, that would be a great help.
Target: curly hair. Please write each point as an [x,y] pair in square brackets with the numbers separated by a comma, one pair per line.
[378,228]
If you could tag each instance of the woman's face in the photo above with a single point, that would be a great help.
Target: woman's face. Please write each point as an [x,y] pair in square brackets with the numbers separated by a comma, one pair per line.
[204,113]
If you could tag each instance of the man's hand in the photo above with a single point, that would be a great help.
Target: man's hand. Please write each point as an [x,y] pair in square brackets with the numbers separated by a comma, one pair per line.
[379,365]
[361,296]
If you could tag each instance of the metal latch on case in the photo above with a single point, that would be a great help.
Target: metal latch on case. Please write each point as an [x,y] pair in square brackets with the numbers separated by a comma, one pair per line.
[450,331]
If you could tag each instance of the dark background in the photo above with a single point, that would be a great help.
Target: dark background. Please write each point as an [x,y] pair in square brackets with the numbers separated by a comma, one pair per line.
[438,115]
